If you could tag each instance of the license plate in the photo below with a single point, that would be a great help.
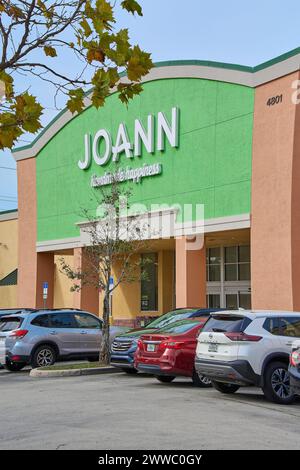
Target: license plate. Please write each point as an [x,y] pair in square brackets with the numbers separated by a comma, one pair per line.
[150,347]
[212,347]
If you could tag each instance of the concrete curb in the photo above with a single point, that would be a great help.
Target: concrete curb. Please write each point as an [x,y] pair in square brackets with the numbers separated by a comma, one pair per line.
[73,372]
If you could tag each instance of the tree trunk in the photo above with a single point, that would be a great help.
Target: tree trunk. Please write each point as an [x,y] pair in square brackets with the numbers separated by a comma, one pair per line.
[104,357]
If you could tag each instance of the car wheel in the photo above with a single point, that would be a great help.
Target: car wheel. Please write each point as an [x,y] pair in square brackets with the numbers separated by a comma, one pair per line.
[43,356]
[225,388]
[15,366]
[165,378]
[200,380]
[277,383]
[130,371]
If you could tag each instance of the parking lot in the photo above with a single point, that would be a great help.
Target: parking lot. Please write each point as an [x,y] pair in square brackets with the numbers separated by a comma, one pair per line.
[137,412]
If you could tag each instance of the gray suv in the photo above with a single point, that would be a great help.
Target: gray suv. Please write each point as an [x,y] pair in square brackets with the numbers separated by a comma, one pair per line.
[41,337]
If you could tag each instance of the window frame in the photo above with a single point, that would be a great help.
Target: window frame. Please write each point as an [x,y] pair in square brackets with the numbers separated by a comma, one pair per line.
[156,286]
[63,327]
[90,316]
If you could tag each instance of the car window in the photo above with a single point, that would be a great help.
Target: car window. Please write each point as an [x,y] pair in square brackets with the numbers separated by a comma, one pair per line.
[84,320]
[180,327]
[290,326]
[62,320]
[10,324]
[170,317]
[272,325]
[226,323]
[42,321]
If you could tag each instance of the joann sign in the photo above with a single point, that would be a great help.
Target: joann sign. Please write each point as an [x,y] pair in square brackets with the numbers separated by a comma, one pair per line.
[163,128]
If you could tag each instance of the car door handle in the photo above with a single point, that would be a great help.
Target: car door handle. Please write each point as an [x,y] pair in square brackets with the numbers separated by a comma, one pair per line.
[53,332]
[83,332]
[289,344]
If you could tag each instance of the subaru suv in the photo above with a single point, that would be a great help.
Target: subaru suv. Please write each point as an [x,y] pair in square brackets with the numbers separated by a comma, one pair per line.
[41,337]
[125,345]
[246,347]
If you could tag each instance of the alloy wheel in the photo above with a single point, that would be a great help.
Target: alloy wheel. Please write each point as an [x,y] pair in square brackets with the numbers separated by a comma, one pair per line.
[281,383]
[204,380]
[45,358]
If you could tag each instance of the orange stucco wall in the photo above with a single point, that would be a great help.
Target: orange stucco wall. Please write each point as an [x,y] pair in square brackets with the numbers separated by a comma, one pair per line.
[27,278]
[190,275]
[275,224]
[8,260]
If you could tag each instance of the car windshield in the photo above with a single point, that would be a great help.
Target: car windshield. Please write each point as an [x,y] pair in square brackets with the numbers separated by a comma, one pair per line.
[179,327]
[171,317]
[226,323]
[9,324]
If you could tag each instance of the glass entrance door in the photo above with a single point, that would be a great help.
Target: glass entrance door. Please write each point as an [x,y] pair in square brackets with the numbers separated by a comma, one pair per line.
[228,277]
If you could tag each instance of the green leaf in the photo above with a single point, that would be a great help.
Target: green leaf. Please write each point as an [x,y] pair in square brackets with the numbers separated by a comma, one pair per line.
[8,84]
[132,6]
[50,51]
[86,27]
[94,52]
[139,64]
[101,81]
[127,91]
[76,100]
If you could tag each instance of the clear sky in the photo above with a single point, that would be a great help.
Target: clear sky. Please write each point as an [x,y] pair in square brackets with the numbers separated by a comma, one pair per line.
[242,32]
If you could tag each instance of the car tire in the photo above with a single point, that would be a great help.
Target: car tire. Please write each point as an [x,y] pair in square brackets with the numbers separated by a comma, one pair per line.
[276,386]
[200,380]
[130,371]
[14,366]
[43,356]
[166,379]
[224,387]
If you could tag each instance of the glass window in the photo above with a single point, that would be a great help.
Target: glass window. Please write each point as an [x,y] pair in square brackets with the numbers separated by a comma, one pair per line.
[41,320]
[231,254]
[290,326]
[231,272]
[214,301]
[231,301]
[237,263]
[62,320]
[244,254]
[149,285]
[245,301]
[10,324]
[226,323]
[244,272]
[84,320]
[272,325]
[213,262]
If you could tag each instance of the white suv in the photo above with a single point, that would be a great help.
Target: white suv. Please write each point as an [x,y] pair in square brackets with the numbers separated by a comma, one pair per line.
[248,347]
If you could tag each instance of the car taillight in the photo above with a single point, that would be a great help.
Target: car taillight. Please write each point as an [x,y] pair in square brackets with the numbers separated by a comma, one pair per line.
[242,337]
[140,344]
[295,358]
[171,345]
[18,333]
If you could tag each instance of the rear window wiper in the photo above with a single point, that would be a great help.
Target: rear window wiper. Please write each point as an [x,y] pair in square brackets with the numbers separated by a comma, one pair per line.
[218,330]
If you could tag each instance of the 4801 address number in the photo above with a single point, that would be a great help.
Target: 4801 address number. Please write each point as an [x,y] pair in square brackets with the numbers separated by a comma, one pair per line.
[274,100]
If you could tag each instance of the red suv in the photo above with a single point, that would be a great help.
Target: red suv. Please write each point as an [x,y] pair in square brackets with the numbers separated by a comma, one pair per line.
[170,352]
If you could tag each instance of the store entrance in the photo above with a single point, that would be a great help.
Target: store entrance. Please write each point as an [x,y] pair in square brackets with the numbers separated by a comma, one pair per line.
[232,300]
[228,277]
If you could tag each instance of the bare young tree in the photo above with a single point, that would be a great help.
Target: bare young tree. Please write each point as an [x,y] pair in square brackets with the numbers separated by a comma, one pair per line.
[38,36]
[114,238]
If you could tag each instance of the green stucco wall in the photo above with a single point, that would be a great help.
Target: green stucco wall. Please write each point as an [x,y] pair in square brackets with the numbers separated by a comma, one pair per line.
[212,165]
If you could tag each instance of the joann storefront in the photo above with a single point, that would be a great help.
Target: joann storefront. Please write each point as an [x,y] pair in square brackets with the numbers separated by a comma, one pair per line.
[200,134]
